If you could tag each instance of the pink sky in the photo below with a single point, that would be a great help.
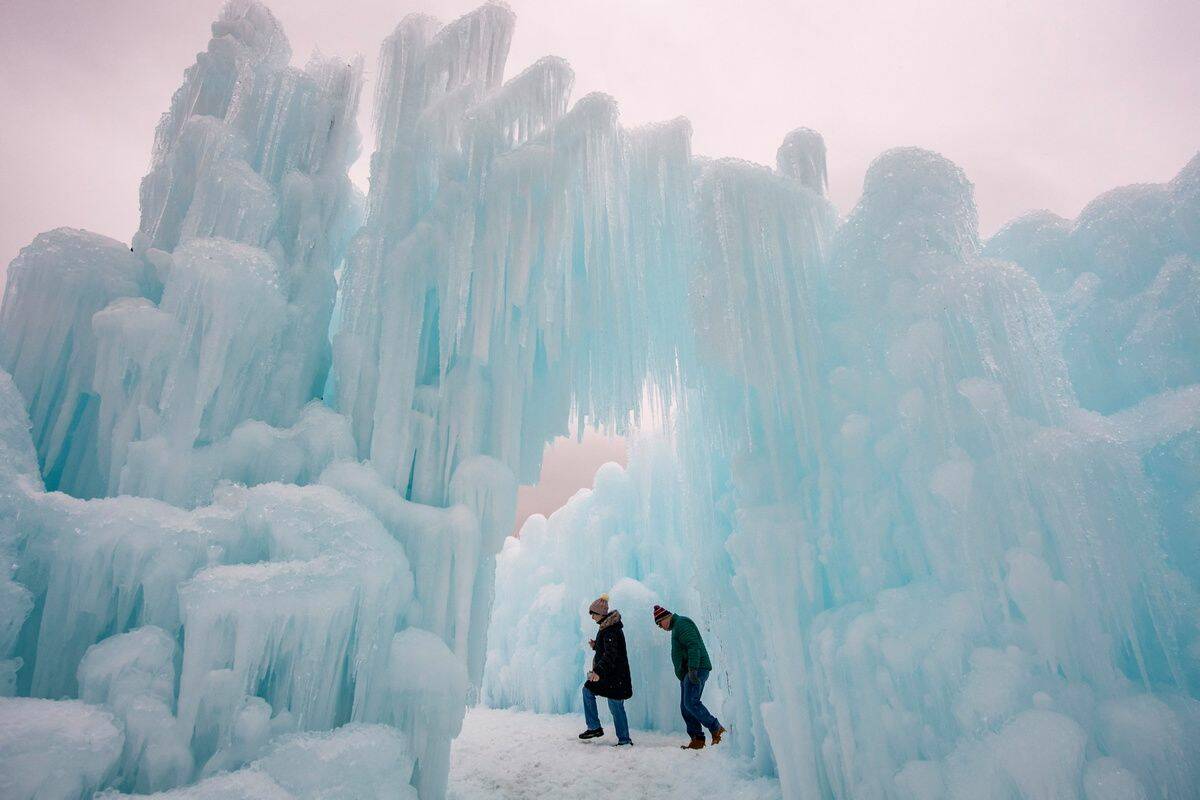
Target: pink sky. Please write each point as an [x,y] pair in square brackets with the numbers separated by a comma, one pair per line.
[567,467]
[1044,104]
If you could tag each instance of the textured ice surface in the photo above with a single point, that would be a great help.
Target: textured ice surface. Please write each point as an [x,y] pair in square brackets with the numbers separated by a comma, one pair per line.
[55,749]
[253,453]
[356,761]
[933,500]
[19,480]
[134,675]
[925,568]
[55,286]
[426,702]
[1123,281]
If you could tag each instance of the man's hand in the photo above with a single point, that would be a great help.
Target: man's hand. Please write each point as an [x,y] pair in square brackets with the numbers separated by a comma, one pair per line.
[693,677]
[593,677]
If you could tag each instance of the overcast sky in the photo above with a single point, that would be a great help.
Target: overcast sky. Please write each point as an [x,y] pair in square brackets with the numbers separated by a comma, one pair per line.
[1044,104]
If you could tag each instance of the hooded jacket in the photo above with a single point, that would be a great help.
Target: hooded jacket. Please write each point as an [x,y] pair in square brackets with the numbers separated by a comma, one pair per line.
[611,662]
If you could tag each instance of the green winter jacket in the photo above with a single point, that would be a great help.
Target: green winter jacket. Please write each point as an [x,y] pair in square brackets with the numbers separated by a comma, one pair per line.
[687,648]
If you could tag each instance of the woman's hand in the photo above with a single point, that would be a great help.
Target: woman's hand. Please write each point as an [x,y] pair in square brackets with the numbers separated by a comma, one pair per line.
[592,643]
[593,677]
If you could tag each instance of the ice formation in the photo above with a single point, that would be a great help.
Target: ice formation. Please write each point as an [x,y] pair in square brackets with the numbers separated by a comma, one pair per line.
[932,571]
[932,499]
[359,761]
[56,750]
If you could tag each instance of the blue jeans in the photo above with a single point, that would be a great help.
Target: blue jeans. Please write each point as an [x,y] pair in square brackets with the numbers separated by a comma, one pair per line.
[695,714]
[617,707]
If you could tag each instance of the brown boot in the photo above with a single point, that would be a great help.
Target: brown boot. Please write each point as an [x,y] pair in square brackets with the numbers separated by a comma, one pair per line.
[717,734]
[694,744]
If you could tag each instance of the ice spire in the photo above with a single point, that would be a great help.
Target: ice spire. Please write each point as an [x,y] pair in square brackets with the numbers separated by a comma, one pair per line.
[802,156]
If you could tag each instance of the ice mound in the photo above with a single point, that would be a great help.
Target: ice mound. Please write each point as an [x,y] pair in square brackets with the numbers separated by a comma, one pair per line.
[304,628]
[1120,277]
[355,761]
[134,674]
[284,598]
[55,750]
[253,453]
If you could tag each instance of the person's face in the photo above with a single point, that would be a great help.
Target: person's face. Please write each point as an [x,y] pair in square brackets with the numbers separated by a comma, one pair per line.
[595,617]
[664,622]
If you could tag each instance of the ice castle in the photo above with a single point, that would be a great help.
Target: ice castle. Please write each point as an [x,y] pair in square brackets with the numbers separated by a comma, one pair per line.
[934,500]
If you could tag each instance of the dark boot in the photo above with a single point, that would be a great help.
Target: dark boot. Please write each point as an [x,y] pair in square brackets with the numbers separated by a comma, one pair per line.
[592,733]
[623,744]
[694,744]
[718,733]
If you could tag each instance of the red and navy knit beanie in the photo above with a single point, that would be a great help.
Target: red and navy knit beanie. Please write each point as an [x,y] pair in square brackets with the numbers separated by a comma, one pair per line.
[659,613]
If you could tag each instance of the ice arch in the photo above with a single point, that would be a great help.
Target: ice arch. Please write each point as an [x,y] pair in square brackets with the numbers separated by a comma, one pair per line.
[927,567]
[917,550]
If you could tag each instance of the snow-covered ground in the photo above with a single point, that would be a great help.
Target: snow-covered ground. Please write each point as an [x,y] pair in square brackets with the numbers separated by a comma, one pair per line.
[513,755]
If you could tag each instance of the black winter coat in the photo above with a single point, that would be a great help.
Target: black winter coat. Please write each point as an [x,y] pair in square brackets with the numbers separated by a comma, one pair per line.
[611,663]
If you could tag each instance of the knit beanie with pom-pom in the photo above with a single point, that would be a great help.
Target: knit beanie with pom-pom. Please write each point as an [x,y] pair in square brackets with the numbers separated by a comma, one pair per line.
[599,606]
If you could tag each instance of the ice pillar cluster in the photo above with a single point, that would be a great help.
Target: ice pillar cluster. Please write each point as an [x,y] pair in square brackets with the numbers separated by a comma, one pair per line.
[936,497]
[204,586]
[933,499]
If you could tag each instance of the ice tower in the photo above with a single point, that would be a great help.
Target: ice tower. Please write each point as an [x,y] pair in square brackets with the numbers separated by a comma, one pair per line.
[211,601]
[932,499]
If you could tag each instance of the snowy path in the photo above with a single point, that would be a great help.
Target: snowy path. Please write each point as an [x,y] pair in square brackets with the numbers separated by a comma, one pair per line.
[514,755]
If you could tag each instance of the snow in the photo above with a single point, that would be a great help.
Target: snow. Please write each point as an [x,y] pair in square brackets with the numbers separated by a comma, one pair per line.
[515,755]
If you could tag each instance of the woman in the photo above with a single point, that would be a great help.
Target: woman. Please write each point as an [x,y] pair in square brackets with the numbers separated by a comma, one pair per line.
[609,677]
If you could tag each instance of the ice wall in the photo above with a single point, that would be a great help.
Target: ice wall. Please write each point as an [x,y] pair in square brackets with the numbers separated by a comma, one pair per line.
[202,582]
[280,608]
[925,569]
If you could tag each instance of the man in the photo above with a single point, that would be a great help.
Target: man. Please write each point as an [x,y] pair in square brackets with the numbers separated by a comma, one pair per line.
[609,677]
[692,667]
